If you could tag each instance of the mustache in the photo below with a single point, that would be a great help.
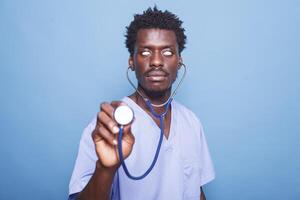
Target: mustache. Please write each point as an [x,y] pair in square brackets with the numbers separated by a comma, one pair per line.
[155,70]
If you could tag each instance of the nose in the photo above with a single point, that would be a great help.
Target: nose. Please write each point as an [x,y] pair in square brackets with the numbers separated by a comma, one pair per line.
[156,60]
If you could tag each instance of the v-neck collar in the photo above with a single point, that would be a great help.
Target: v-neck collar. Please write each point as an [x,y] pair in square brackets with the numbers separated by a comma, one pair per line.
[172,123]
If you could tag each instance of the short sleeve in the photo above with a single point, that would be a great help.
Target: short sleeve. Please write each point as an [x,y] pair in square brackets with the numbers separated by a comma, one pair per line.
[85,162]
[207,168]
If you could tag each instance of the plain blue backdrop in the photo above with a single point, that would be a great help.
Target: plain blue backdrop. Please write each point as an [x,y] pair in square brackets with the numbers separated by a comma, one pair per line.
[60,59]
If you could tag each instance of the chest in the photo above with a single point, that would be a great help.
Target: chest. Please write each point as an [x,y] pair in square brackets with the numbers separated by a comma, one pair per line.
[175,167]
[165,124]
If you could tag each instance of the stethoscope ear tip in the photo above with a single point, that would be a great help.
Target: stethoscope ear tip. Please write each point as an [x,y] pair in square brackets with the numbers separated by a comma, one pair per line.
[131,68]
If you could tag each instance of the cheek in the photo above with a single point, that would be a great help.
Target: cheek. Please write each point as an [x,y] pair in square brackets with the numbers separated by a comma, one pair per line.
[173,63]
[139,74]
[174,74]
[141,61]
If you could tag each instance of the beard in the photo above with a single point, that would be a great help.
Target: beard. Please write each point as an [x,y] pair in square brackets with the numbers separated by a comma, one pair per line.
[155,92]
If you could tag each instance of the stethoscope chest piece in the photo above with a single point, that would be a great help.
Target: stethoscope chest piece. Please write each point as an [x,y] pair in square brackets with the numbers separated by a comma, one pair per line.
[123,115]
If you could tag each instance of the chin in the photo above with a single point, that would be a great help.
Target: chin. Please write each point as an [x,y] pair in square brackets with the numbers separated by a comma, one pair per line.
[158,87]
[156,90]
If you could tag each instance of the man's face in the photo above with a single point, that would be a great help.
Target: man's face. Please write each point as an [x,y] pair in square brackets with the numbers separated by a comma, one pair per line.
[156,59]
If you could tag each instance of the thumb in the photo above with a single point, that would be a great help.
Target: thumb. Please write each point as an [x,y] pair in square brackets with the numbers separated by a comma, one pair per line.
[127,134]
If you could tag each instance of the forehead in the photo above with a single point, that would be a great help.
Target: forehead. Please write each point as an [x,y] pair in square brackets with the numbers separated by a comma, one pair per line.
[156,37]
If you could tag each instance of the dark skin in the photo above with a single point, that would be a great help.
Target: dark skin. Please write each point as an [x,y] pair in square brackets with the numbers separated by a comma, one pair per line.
[156,60]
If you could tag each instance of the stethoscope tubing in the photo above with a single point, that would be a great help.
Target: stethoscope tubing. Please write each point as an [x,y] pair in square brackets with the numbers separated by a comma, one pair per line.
[161,122]
[161,118]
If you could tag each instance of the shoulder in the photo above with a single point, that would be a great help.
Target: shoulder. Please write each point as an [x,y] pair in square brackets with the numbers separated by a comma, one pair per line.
[186,114]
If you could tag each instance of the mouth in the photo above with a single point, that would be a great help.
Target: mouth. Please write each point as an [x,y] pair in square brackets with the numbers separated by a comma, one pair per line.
[156,76]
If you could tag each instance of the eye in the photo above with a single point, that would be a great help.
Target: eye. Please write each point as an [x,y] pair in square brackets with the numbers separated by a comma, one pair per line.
[167,53]
[145,53]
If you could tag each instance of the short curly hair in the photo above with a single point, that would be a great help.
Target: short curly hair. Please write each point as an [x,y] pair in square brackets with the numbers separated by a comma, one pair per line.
[155,18]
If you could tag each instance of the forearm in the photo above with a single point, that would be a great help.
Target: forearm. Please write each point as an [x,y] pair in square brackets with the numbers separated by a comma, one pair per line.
[99,186]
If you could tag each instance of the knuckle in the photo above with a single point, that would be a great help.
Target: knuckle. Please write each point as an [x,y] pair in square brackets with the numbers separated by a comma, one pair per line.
[99,115]
[101,130]
[94,133]
[102,105]
[111,124]
[115,104]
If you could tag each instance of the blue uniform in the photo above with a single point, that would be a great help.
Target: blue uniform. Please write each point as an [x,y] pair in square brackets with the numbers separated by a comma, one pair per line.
[183,165]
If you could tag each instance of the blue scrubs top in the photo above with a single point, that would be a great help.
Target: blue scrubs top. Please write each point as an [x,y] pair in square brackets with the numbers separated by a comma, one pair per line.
[184,163]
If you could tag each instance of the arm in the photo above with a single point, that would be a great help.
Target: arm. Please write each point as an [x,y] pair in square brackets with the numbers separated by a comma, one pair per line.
[99,185]
[202,196]
[104,138]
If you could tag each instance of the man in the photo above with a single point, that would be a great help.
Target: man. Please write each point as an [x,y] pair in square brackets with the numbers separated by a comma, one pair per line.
[155,40]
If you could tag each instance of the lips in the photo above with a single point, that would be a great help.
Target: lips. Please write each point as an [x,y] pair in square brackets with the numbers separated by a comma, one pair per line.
[156,73]
[156,76]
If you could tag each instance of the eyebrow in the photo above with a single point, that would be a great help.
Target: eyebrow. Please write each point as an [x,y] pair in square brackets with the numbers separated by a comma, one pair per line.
[153,47]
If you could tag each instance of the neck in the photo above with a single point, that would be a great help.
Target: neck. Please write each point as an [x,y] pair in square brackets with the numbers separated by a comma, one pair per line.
[156,98]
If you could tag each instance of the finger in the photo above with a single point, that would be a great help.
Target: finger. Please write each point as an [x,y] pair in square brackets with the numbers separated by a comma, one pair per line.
[96,136]
[108,122]
[107,108]
[128,136]
[116,104]
[107,136]
[100,134]
[127,129]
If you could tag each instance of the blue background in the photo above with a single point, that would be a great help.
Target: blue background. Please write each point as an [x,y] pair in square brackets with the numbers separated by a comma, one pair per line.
[60,59]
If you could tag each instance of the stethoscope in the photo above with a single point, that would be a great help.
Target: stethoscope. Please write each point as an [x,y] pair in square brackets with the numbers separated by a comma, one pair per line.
[124,115]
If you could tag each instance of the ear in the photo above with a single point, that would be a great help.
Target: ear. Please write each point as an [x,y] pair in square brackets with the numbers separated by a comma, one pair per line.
[180,62]
[130,63]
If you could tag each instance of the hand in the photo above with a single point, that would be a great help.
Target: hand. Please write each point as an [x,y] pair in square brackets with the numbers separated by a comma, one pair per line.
[106,133]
